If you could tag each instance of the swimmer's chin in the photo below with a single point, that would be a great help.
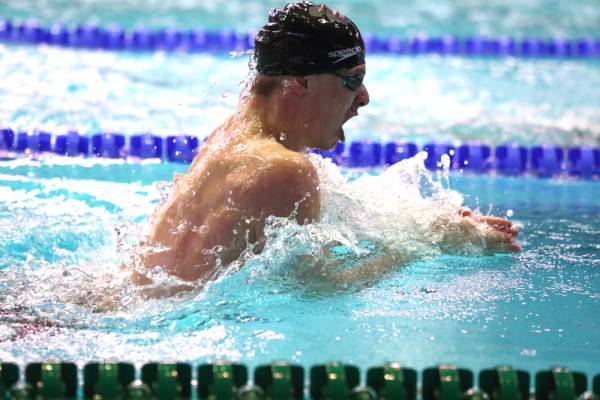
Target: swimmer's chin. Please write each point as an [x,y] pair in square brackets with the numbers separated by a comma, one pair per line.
[338,137]
[331,140]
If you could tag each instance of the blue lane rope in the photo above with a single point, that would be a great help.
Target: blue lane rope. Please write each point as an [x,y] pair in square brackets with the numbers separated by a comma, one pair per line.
[473,157]
[171,39]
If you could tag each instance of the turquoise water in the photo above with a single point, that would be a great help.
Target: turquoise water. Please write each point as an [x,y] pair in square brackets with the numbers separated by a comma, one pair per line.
[420,99]
[66,225]
[58,272]
[530,101]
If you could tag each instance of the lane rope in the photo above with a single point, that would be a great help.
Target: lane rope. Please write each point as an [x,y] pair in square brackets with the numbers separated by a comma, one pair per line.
[474,157]
[114,38]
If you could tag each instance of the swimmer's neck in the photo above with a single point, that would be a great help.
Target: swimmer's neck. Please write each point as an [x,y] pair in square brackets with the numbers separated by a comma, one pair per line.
[273,117]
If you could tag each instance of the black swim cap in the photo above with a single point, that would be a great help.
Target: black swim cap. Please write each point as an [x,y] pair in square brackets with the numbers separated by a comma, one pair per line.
[306,38]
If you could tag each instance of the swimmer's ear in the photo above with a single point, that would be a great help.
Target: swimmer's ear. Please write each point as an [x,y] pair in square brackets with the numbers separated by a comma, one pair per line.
[298,84]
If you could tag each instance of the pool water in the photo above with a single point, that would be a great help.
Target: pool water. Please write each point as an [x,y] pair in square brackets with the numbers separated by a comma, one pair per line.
[67,225]
[63,223]
[541,18]
[526,100]
[453,99]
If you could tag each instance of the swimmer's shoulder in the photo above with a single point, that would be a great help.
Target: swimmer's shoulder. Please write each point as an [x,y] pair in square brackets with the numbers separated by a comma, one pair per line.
[267,157]
[281,181]
[261,163]
[288,164]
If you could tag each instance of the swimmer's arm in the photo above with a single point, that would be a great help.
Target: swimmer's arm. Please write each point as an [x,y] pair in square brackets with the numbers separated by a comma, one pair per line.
[494,233]
[373,269]
[364,271]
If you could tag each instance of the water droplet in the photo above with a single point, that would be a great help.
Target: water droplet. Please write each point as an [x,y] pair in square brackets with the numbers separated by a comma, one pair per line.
[200,229]
[528,352]
[239,148]
[445,161]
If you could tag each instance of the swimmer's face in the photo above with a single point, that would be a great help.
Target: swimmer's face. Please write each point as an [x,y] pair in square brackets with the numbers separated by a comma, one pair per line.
[335,98]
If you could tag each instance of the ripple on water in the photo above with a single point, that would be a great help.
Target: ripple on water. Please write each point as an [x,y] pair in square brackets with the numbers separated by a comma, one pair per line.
[511,307]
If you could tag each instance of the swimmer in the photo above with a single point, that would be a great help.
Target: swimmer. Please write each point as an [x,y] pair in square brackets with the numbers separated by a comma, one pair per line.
[310,66]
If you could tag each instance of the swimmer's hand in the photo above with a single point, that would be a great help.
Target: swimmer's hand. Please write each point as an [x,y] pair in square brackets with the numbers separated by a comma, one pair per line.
[500,237]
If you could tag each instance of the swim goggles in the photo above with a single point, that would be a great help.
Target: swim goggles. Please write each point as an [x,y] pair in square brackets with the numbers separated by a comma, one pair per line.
[351,81]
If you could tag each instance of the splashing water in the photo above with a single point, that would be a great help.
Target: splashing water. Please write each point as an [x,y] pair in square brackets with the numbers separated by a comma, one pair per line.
[63,294]
[403,209]
[397,209]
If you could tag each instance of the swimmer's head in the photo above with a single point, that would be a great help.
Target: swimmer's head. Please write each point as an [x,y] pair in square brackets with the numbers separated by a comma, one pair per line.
[306,38]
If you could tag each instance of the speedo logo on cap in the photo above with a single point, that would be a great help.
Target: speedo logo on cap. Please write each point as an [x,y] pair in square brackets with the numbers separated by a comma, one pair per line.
[343,54]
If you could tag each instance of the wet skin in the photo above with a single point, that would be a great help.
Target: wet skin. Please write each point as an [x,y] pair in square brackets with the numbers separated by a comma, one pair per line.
[253,166]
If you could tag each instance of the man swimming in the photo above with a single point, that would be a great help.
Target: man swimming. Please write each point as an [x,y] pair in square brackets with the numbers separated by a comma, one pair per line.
[310,64]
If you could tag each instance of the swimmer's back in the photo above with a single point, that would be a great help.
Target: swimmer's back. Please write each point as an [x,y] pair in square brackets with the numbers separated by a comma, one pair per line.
[221,204]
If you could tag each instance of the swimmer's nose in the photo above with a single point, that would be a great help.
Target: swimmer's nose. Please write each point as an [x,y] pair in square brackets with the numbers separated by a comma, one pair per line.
[362,97]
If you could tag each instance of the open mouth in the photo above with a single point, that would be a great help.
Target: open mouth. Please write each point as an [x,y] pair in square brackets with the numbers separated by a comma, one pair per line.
[353,112]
